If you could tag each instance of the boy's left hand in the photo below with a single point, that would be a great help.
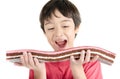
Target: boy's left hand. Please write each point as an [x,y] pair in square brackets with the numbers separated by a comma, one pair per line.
[77,65]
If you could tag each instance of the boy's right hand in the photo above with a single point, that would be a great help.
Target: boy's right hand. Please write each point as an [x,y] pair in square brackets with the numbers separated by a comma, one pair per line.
[32,63]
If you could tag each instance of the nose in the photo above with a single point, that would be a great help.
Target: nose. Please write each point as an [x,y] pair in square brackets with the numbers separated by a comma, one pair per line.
[59,32]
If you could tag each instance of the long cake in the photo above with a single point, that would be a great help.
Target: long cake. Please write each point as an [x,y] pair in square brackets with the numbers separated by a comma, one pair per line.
[105,56]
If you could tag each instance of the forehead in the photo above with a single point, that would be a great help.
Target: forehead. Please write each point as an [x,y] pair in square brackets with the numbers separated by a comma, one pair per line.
[56,16]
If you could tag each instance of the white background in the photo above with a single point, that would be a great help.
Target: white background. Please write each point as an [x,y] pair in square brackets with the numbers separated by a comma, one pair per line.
[20,28]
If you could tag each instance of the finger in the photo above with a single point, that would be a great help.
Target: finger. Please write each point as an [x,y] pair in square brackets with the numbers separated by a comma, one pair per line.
[82,56]
[39,64]
[18,64]
[95,58]
[25,57]
[72,59]
[36,61]
[30,60]
[22,60]
[87,57]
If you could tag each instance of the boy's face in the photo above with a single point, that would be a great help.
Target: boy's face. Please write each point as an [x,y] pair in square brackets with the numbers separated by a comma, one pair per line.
[60,31]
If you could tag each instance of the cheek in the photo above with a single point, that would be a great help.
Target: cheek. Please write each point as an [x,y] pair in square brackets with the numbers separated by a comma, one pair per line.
[49,37]
[71,32]
[71,35]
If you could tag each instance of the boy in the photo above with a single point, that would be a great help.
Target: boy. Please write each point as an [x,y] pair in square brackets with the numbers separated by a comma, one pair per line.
[60,22]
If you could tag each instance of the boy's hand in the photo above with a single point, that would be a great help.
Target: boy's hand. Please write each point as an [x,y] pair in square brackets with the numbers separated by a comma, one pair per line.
[32,63]
[77,65]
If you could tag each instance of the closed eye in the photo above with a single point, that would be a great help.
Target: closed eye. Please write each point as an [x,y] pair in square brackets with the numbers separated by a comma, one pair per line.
[50,28]
[65,26]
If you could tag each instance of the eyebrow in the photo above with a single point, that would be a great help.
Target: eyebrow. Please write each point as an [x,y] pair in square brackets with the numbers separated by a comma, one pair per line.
[48,22]
[66,21]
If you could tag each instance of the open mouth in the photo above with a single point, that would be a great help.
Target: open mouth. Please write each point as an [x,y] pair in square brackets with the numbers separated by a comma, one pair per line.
[61,44]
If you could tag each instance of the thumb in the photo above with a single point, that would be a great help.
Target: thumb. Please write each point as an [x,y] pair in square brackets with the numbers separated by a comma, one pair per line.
[18,64]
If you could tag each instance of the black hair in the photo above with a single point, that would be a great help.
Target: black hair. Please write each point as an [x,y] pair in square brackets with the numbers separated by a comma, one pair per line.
[65,7]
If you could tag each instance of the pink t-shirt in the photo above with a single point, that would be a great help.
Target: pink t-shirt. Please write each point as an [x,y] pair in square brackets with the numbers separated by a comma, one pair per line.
[61,70]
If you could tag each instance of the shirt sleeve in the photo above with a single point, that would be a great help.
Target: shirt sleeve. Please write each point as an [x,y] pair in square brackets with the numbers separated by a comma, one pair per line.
[93,70]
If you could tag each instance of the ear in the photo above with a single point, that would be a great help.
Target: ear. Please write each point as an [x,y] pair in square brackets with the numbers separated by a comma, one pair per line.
[77,29]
